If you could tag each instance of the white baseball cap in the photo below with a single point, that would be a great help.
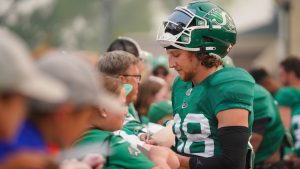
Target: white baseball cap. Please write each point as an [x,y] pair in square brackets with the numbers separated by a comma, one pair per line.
[80,77]
[18,72]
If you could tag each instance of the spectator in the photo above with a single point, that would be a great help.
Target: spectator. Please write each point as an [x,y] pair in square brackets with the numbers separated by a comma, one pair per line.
[124,66]
[125,44]
[160,112]
[150,91]
[19,80]
[268,131]
[120,153]
[58,125]
[160,68]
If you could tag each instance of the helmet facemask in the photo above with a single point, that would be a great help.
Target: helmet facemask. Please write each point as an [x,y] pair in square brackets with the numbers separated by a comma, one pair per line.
[178,29]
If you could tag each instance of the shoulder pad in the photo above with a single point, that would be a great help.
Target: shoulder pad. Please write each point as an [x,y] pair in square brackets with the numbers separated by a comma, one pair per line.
[231,75]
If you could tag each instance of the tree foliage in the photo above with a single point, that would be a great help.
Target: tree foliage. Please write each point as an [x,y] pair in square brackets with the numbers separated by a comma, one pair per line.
[88,25]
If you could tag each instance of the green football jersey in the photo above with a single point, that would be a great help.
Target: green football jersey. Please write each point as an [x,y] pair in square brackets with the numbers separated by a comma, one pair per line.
[195,109]
[290,97]
[132,127]
[131,130]
[264,106]
[122,154]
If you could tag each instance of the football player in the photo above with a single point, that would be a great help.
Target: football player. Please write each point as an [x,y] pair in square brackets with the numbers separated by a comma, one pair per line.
[268,131]
[288,98]
[212,106]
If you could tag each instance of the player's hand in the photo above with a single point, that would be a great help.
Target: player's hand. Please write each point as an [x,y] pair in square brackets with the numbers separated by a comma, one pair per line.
[159,156]
[165,136]
[173,160]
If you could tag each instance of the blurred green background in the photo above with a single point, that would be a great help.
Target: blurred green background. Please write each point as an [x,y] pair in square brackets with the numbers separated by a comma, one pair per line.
[267,29]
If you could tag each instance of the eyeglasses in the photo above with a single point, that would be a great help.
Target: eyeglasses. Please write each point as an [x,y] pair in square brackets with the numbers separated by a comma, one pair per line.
[139,77]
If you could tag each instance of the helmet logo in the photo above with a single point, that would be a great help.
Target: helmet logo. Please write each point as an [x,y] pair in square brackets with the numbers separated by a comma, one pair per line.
[220,18]
[224,19]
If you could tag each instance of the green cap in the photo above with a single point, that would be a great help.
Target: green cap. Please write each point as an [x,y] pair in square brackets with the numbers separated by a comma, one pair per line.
[159,110]
[128,88]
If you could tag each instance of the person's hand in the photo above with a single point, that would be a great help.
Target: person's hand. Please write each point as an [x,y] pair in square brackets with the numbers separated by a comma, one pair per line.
[165,136]
[29,160]
[96,161]
[183,161]
[159,155]
[173,160]
[147,139]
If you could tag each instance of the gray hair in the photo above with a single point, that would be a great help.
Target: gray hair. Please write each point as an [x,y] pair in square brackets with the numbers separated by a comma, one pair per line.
[116,62]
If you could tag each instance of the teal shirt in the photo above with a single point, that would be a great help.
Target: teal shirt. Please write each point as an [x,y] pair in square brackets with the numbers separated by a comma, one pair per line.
[195,109]
[133,112]
[290,97]
[122,154]
[265,107]
[144,119]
